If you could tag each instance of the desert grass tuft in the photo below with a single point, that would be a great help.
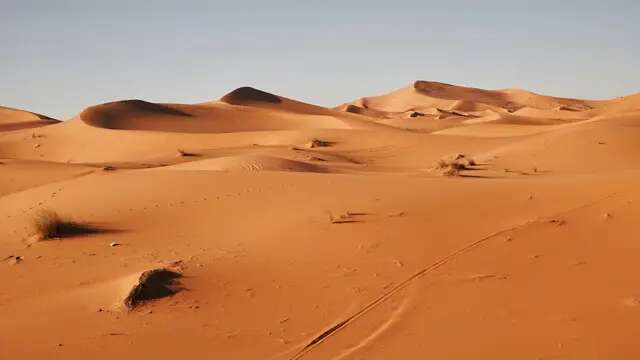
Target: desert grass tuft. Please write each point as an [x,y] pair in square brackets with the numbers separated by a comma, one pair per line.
[48,224]
[453,166]
[184,153]
[316,143]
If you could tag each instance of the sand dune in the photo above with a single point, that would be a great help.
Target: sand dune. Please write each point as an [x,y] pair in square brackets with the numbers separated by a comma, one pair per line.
[15,119]
[507,106]
[19,175]
[605,145]
[248,96]
[244,109]
[435,221]
[620,105]
[451,97]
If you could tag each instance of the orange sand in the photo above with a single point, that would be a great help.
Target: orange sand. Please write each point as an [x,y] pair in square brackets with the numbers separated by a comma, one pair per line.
[352,247]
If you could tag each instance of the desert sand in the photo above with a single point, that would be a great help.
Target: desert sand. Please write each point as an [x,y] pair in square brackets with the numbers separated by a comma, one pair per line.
[435,221]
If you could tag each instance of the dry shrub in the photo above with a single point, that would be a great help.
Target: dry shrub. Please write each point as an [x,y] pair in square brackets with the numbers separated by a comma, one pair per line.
[48,224]
[454,165]
[315,143]
[184,153]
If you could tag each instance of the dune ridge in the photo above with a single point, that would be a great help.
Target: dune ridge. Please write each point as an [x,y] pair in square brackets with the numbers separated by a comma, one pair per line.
[247,95]
[441,101]
[16,119]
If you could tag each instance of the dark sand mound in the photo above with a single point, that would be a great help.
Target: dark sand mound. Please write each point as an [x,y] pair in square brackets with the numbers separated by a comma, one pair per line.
[126,113]
[247,95]
[152,284]
[218,116]
[254,98]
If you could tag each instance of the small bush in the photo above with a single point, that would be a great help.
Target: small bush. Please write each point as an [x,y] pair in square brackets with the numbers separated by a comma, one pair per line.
[453,166]
[47,224]
[315,143]
[184,153]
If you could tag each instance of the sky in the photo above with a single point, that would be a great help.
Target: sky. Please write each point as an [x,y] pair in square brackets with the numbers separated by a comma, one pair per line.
[58,57]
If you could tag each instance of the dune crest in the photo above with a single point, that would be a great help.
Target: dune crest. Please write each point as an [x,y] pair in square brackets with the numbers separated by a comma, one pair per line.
[127,113]
[15,119]
[430,102]
[242,110]
[247,95]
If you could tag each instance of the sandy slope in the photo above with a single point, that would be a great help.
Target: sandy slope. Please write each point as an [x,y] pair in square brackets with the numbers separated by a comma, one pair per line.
[423,104]
[14,119]
[529,254]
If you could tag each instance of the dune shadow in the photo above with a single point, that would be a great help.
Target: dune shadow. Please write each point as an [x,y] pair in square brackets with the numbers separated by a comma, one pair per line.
[154,107]
[248,94]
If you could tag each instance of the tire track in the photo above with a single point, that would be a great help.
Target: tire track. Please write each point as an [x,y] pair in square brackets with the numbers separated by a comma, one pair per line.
[315,342]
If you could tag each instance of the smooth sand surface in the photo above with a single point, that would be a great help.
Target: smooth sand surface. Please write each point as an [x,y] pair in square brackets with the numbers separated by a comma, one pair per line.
[303,232]
[14,119]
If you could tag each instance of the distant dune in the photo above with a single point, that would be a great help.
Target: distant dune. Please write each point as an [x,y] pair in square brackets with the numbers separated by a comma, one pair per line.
[244,109]
[14,119]
[428,100]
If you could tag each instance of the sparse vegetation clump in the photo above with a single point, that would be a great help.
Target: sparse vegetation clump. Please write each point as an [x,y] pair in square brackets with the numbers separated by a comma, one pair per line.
[48,224]
[450,168]
[346,217]
[184,153]
[453,166]
[342,219]
[316,143]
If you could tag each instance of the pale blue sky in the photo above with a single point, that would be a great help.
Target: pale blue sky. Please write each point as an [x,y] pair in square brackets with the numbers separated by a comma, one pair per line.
[58,57]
